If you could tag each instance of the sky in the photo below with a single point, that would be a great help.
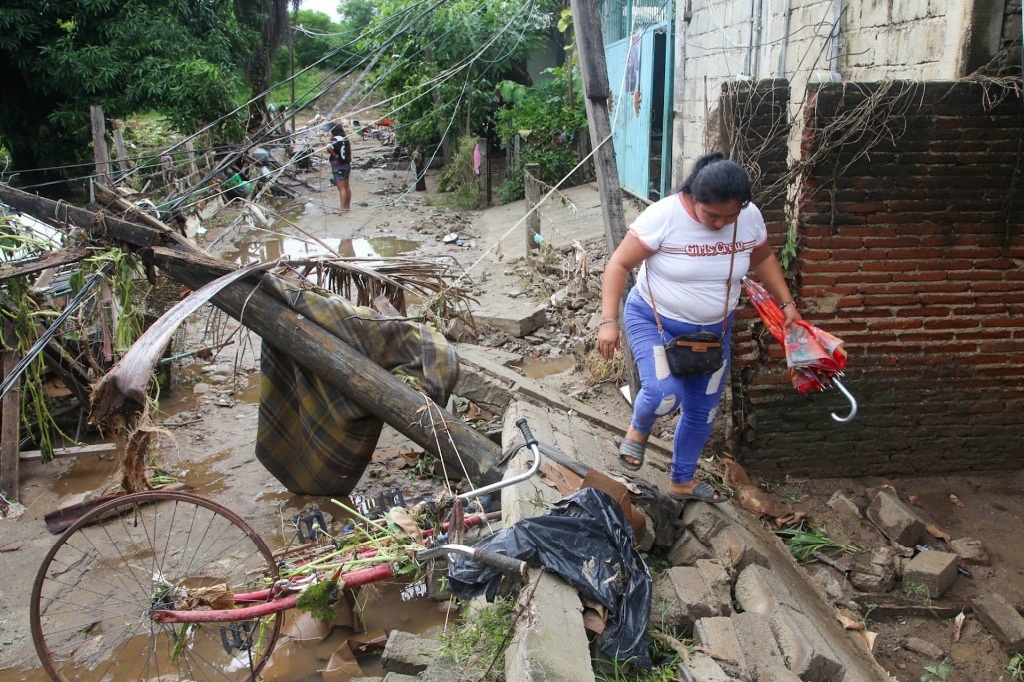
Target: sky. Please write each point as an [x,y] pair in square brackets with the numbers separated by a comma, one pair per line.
[328,7]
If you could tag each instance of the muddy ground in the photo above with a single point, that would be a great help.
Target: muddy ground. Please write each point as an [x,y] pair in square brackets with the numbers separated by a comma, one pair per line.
[210,418]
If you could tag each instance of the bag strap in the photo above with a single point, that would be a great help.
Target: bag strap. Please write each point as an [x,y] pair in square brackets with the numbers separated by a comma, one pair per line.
[728,286]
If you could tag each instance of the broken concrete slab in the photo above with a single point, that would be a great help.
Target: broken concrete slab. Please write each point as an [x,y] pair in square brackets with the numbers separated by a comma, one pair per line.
[1002,620]
[760,647]
[513,316]
[736,549]
[897,521]
[842,503]
[924,647]
[935,570]
[407,654]
[685,594]
[702,668]
[704,521]
[877,573]
[806,651]
[971,551]
[716,634]
[687,550]
[760,590]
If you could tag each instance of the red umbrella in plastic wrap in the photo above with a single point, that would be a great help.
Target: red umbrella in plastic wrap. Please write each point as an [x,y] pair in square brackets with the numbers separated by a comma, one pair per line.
[815,358]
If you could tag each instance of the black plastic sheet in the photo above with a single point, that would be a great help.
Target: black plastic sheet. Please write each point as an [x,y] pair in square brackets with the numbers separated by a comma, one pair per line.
[587,540]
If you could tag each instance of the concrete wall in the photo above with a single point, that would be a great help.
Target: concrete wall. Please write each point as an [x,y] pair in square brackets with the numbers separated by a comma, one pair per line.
[728,40]
[910,249]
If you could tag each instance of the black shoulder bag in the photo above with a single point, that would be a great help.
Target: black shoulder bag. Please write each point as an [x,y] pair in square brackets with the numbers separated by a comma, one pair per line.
[700,352]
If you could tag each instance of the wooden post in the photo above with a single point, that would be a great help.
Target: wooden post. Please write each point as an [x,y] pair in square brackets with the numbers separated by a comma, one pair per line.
[99,143]
[594,69]
[190,148]
[123,164]
[10,419]
[418,170]
[483,180]
[532,186]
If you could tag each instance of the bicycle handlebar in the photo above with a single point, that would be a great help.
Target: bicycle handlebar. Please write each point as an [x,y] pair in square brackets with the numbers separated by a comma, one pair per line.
[530,442]
[527,434]
[499,562]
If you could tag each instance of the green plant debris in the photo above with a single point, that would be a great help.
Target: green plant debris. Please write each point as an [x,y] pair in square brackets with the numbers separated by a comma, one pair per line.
[316,600]
[936,673]
[803,541]
[1016,667]
[483,635]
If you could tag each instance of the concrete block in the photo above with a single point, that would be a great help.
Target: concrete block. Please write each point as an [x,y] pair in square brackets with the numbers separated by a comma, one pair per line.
[687,550]
[717,580]
[407,654]
[550,643]
[759,590]
[702,668]
[934,570]
[682,595]
[704,521]
[512,316]
[878,573]
[1002,620]
[897,521]
[842,503]
[760,649]
[736,549]
[478,387]
[718,635]
[971,551]
[924,647]
[805,650]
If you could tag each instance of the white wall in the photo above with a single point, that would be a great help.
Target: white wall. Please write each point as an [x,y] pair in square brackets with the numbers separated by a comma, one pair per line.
[879,39]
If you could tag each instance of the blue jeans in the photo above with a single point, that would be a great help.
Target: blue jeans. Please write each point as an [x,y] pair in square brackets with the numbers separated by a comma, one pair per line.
[699,395]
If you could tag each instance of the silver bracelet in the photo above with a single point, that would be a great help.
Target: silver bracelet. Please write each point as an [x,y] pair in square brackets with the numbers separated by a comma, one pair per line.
[782,306]
[607,320]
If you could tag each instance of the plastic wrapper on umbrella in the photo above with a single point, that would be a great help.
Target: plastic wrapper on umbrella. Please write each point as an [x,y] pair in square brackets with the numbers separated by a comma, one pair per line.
[815,358]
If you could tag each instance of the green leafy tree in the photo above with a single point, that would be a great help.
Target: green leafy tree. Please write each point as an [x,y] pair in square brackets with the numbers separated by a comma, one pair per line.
[441,61]
[548,119]
[178,57]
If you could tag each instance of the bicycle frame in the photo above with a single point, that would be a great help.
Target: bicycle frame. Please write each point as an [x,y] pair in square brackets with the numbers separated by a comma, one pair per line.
[285,596]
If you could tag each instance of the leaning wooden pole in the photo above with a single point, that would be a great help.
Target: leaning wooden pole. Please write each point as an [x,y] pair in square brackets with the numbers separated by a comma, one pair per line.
[374,388]
[590,46]
[319,351]
[597,94]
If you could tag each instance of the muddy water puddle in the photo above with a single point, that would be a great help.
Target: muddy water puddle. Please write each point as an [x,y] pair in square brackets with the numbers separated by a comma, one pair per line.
[248,250]
[537,368]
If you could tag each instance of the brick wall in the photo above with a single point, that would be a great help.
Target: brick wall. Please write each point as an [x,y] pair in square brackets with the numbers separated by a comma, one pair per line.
[912,250]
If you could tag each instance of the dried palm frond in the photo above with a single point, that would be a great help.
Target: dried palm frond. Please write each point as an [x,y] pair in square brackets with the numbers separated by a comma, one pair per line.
[363,280]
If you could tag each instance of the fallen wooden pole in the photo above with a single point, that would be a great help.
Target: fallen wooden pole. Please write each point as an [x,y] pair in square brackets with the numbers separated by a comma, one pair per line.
[319,351]
[374,388]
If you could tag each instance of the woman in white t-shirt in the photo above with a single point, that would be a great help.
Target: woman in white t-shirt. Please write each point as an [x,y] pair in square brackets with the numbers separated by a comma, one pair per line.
[686,245]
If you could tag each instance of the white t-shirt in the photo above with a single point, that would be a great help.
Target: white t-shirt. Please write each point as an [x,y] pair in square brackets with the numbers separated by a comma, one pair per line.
[690,262]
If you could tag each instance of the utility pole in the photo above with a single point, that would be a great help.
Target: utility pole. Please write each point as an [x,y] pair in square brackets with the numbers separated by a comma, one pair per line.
[590,46]
[597,95]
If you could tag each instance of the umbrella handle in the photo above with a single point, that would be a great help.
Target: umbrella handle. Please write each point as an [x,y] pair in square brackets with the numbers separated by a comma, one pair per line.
[849,396]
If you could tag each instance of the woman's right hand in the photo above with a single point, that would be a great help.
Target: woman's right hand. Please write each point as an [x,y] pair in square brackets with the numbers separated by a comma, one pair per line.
[608,339]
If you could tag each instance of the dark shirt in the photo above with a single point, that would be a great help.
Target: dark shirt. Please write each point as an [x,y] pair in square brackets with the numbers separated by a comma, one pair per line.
[342,150]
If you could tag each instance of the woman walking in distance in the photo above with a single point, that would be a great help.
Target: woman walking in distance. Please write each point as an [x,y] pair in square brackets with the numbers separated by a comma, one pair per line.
[693,248]
[340,152]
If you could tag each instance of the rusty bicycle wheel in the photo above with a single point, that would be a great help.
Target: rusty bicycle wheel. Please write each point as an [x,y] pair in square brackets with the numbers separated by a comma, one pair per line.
[98,585]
